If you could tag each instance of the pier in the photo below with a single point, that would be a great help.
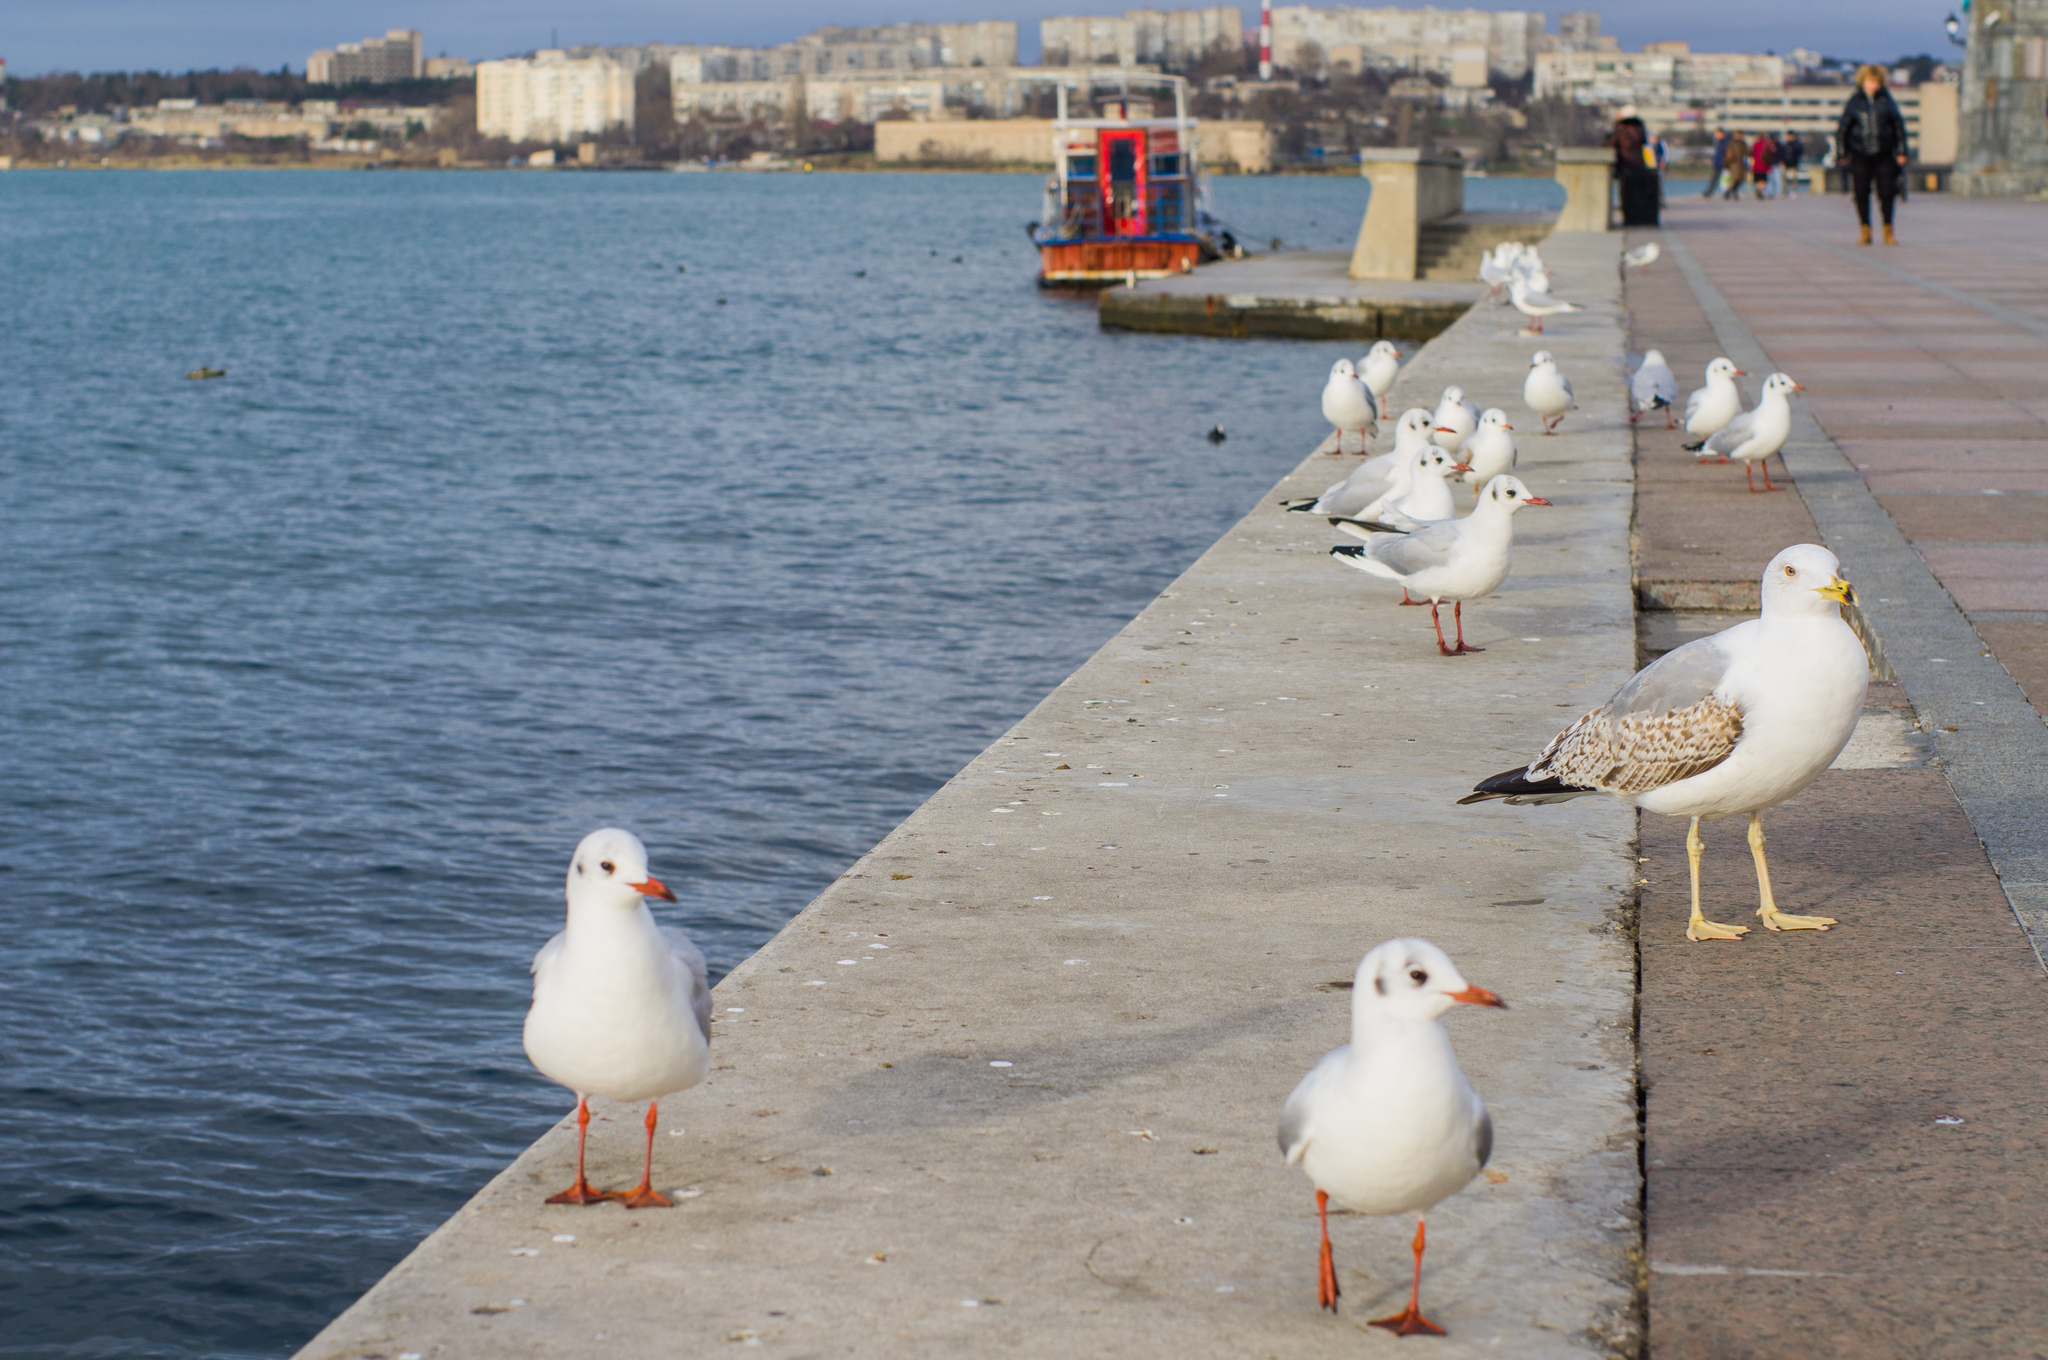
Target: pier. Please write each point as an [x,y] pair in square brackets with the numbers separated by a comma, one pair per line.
[1009,1086]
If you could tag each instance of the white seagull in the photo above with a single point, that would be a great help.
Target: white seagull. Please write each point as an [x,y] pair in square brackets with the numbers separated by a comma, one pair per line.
[1388,1124]
[1453,559]
[1347,405]
[1725,725]
[1378,369]
[1643,256]
[1547,392]
[1422,497]
[1536,302]
[1373,478]
[1652,386]
[620,1005]
[1490,451]
[1456,419]
[1755,434]
[1708,408]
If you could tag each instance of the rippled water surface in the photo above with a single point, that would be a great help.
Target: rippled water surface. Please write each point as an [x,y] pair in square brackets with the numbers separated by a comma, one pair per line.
[499,528]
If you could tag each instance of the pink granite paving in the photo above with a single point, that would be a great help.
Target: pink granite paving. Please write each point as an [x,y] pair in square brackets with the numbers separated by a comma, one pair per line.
[1928,395]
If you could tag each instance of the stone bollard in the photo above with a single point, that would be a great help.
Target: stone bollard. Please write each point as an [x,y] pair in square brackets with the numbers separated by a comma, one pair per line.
[1587,174]
[1410,186]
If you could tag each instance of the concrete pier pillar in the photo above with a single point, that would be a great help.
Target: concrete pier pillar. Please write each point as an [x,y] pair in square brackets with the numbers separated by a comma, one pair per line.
[1410,186]
[1587,174]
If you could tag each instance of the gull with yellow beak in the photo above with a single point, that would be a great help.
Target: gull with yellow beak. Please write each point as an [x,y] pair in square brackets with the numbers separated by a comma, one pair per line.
[621,1008]
[1725,725]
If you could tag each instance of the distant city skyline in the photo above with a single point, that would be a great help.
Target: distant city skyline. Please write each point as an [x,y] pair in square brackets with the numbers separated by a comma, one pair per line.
[128,35]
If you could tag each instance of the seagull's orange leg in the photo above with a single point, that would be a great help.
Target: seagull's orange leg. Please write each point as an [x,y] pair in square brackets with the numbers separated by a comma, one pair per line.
[644,1195]
[1458,615]
[1410,1321]
[582,1191]
[1433,618]
[1326,1268]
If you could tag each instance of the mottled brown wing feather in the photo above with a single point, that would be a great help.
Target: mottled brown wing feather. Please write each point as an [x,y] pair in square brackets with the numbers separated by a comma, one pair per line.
[1637,752]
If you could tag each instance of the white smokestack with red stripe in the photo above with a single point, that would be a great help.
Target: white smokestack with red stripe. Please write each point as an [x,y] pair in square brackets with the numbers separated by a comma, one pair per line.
[1265,39]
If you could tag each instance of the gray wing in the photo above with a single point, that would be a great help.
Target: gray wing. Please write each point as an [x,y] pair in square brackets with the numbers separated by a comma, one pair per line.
[1643,386]
[1566,384]
[1294,1130]
[1693,400]
[1667,384]
[1733,434]
[1664,725]
[1428,546]
[692,958]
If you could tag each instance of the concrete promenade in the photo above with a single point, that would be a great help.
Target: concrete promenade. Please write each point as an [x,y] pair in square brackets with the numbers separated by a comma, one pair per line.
[1842,1130]
[1009,1087]
[1304,296]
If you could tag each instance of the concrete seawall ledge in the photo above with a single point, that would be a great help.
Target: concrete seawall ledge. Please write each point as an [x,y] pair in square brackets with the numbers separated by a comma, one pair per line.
[1138,900]
[1305,296]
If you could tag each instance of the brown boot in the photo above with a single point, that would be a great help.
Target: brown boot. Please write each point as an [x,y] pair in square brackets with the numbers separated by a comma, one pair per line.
[1864,239]
[1889,239]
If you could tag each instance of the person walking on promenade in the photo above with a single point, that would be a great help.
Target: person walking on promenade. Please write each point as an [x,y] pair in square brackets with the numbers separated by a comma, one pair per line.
[1720,162]
[1791,151]
[1663,155]
[1738,167]
[1771,165]
[1871,145]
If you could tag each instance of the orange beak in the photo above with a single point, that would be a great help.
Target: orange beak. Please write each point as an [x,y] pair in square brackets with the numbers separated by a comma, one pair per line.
[1535,500]
[1798,387]
[1461,467]
[653,887]
[1445,429]
[1477,996]
[1742,373]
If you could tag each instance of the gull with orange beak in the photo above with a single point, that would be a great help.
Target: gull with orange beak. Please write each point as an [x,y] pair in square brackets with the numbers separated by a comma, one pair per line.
[1388,1124]
[621,1008]
[1724,726]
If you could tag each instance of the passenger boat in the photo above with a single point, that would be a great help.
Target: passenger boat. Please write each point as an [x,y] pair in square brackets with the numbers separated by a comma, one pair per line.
[1126,197]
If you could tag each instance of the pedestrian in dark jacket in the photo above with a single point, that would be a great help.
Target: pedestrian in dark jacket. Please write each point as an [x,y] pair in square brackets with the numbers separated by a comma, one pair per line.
[1737,156]
[1870,143]
[1794,151]
[1720,162]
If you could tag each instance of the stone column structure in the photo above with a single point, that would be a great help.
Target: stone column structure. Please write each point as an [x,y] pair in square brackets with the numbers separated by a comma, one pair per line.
[1410,186]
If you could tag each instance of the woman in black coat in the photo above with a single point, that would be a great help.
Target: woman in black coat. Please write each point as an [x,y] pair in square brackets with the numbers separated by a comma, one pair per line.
[1870,143]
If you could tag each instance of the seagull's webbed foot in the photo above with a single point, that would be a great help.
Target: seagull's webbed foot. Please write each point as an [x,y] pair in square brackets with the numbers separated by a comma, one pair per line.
[582,1192]
[1409,1322]
[1778,920]
[1700,928]
[643,1196]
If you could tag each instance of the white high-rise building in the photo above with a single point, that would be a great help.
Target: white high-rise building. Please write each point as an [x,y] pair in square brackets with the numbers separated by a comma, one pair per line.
[552,96]
[1420,40]
[1170,37]
[395,56]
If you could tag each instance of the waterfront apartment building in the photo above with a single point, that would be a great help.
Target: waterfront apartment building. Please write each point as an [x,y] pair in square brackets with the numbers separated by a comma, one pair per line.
[1660,80]
[395,56]
[552,96]
[886,51]
[1442,41]
[1169,37]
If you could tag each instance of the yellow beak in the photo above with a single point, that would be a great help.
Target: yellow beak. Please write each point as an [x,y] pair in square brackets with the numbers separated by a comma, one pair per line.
[1838,590]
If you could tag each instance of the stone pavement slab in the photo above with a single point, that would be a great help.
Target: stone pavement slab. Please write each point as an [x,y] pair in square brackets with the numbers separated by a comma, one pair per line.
[1305,294]
[1009,1087]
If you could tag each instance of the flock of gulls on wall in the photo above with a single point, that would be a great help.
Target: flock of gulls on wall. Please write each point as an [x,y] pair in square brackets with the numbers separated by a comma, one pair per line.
[1727,725]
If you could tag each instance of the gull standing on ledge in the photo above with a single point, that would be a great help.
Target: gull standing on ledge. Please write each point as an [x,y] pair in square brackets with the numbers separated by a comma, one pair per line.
[1347,405]
[1725,725]
[1536,304]
[1452,559]
[1375,477]
[1720,401]
[1424,498]
[1388,1124]
[1547,392]
[1378,369]
[1490,452]
[621,1008]
[1755,434]
[1643,256]
[1653,386]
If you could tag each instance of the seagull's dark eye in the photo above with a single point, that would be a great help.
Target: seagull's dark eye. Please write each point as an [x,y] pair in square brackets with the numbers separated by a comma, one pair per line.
[1511,495]
[1418,975]
[608,866]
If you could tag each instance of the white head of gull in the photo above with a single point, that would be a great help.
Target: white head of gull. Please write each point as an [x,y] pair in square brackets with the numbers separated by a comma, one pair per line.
[1708,408]
[1725,725]
[1388,1124]
[1456,419]
[1490,452]
[621,1008]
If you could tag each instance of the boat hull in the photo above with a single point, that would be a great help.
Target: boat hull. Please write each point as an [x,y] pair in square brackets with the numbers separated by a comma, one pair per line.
[1107,262]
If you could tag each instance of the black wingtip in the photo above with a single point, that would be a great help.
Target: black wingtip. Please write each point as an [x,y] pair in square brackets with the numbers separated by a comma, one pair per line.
[1372,524]
[1694,448]
[1348,550]
[1303,506]
[1516,784]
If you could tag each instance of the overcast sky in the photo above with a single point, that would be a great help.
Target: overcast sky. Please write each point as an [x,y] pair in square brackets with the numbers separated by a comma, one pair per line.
[118,35]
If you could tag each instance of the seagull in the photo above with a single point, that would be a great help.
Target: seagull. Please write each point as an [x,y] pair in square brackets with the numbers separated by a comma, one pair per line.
[1537,303]
[1547,392]
[1732,723]
[1347,405]
[1378,369]
[1388,1124]
[620,1005]
[1456,418]
[1653,386]
[1490,451]
[1373,478]
[1755,434]
[1720,401]
[1423,497]
[1496,266]
[1452,559]
[1643,256]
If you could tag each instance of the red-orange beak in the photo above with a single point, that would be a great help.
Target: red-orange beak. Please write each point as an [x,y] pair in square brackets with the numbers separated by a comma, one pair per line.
[1535,500]
[1461,467]
[1478,996]
[1798,387]
[1445,429]
[1742,373]
[653,887]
